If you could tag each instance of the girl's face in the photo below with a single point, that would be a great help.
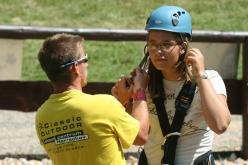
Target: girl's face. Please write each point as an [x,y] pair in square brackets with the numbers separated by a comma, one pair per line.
[164,50]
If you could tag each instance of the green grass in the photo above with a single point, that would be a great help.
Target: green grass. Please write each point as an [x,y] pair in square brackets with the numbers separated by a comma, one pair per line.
[108,60]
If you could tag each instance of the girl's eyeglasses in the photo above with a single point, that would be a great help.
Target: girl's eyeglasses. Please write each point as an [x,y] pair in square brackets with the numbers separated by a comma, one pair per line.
[165,47]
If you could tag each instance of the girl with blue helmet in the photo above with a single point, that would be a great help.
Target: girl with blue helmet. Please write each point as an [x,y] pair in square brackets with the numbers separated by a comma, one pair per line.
[187,104]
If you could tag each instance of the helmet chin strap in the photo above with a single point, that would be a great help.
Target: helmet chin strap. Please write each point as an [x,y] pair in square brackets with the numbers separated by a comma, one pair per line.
[181,37]
[180,62]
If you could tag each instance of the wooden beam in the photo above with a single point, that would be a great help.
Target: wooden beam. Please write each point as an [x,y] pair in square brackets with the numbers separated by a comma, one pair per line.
[244,102]
[32,32]
[27,96]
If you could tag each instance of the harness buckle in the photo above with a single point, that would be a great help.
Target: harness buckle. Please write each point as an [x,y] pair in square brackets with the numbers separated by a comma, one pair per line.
[168,135]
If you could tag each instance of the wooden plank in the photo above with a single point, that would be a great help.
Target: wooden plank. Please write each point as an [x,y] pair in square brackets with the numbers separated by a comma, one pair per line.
[244,102]
[23,96]
[32,32]
[234,89]
[27,96]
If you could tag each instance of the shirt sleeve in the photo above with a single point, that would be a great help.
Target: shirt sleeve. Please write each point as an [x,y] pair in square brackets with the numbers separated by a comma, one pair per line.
[217,82]
[125,126]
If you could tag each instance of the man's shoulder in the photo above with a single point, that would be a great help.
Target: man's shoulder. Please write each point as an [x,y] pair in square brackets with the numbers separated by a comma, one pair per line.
[104,97]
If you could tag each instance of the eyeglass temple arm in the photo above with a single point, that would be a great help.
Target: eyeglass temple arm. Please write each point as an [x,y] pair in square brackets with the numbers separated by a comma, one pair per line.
[143,63]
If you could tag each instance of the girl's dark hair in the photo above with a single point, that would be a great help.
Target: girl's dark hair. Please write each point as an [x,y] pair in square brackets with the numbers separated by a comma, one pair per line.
[155,85]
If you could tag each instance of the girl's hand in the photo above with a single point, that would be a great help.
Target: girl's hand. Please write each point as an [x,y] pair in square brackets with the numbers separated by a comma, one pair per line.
[195,60]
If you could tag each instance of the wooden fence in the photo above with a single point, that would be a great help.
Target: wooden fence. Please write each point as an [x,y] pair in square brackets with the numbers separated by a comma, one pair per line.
[27,96]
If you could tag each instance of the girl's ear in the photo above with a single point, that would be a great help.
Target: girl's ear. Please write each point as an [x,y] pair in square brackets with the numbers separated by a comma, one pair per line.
[182,51]
[183,48]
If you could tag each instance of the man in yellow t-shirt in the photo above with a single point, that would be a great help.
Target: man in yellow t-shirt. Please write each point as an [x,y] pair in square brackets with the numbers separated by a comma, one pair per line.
[76,128]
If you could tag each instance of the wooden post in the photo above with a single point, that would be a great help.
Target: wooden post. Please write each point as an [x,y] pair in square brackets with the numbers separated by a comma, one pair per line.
[245,100]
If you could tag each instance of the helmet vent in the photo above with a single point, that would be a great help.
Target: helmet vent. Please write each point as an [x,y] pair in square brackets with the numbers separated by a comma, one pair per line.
[175,18]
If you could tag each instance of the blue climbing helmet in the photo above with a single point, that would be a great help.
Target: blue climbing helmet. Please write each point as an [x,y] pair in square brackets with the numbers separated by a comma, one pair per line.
[170,18]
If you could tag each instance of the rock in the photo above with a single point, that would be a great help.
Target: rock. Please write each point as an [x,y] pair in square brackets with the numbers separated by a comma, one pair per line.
[232,157]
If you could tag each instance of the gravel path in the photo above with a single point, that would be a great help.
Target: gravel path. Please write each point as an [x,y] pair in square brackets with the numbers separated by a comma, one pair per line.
[18,137]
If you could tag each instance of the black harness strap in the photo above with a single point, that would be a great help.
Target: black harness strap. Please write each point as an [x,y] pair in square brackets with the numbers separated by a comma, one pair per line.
[172,132]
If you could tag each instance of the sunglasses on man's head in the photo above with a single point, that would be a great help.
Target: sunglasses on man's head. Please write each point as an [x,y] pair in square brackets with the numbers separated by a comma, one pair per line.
[84,59]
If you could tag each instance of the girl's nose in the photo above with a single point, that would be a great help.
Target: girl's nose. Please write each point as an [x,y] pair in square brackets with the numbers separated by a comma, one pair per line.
[161,54]
[160,51]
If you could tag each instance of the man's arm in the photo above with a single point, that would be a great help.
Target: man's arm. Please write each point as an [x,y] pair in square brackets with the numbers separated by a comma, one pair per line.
[138,107]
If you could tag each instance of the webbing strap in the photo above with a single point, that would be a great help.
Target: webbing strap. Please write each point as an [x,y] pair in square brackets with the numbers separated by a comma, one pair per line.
[162,115]
[182,104]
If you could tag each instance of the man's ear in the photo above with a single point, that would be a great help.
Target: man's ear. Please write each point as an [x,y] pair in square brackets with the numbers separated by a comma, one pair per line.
[75,69]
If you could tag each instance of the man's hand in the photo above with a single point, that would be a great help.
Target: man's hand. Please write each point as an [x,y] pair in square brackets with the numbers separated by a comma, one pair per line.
[121,91]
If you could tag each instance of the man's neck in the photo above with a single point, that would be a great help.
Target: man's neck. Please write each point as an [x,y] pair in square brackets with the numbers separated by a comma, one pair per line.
[59,88]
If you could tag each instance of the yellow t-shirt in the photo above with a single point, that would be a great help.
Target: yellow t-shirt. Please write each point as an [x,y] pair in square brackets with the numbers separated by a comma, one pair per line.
[81,129]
